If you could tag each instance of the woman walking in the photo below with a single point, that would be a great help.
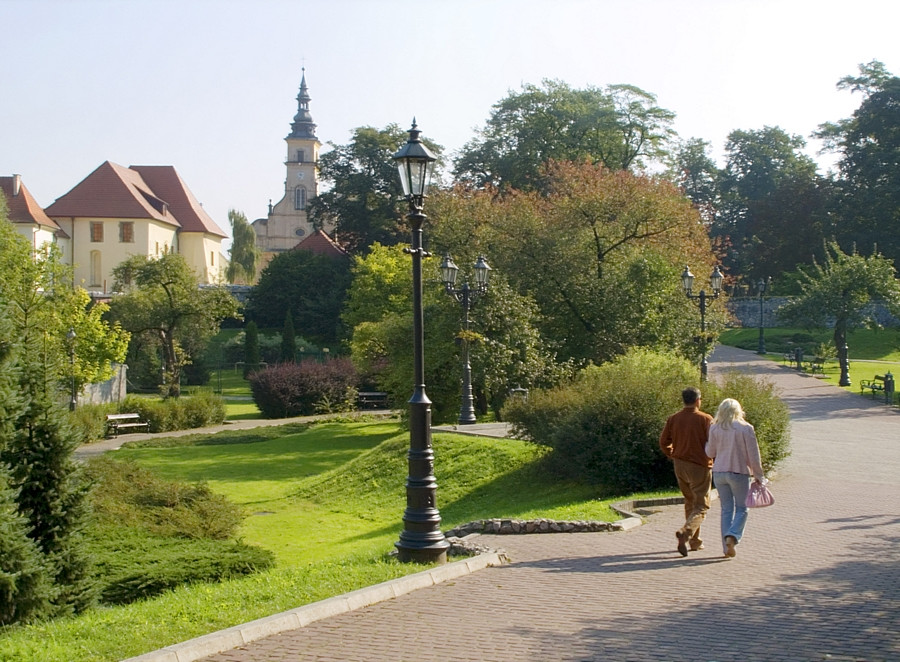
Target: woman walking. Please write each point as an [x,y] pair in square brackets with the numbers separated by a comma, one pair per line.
[734,450]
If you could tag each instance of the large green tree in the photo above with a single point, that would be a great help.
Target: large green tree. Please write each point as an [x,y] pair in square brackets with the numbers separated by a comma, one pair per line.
[842,288]
[506,349]
[244,254]
[600,252]
[311,286]
[363,189]
[619,126]
[868,188]
[37,472]
[162,302]
[763,166]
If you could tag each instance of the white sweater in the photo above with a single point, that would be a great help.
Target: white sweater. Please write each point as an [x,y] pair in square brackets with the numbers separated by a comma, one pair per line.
[734,449]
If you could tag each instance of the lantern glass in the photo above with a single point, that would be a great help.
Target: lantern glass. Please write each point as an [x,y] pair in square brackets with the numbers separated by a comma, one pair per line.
[482,272]
[687,280]
[415,163]
[449,271]
[715,279]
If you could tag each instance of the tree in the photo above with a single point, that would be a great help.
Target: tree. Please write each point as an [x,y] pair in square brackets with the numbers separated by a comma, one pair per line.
[842,288]
[600,252]
[361,203]
[310,285]
[288,340]
[758,165]
[244,254]
[251,349]
[868,189]
[507,352]
[620,127]
[694,171]
[163,302]
[37,472]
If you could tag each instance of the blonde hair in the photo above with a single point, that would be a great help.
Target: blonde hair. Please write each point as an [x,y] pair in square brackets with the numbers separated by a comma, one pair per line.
[729,410]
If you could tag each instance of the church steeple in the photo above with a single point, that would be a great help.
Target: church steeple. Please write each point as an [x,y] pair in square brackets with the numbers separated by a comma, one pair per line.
[303,125]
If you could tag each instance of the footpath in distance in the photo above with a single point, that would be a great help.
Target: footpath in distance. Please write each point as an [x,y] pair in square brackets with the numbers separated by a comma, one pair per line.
[815,578]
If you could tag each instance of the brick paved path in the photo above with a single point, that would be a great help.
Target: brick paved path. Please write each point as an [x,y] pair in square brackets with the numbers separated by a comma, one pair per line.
[815,578]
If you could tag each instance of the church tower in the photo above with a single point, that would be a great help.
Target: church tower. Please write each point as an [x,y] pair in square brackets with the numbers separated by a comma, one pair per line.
[287,223]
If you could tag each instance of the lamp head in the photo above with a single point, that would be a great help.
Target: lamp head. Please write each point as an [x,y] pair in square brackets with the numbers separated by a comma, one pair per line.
[687,280]
[482,272]
[449,271]
[415,162]
[715,280]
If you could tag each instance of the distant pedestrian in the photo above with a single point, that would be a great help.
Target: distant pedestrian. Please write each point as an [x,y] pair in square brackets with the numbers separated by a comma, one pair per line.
[732,445]
[683,440]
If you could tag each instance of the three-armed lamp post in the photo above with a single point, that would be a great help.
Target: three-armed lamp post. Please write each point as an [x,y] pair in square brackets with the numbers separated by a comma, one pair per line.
[761,286]
[715,283]
[465,295]
[73,396]
[421,539]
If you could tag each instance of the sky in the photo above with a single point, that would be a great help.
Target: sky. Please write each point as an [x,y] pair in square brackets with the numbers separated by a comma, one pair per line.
[210,86]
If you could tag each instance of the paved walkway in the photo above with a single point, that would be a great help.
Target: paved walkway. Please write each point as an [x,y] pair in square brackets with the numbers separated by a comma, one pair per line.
[815,578]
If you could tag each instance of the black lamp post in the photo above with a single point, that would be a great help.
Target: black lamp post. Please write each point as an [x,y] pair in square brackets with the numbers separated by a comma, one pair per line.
[715,282]
[421,539]
[761,287]
[465,295]
[73,399]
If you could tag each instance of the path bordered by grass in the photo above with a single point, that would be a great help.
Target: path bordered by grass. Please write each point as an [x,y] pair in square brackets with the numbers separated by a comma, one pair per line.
[328,502]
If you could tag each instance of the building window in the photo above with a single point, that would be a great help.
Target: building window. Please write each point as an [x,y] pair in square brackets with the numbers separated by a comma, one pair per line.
[299,198]
[126,232]
[96,269]
[96,232]
[301,156]
[212,258]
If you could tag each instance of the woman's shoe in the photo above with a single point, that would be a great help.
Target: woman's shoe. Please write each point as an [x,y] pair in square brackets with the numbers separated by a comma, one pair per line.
[730,542]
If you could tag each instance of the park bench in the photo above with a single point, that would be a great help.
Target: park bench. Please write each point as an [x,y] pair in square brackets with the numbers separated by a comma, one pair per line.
[816,365]
[115,423]
[880,384]
[371,400]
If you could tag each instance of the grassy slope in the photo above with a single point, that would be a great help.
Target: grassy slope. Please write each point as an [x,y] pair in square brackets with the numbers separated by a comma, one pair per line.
[335,494]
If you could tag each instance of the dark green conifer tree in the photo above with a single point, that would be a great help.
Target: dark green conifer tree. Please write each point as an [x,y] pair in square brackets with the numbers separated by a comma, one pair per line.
[288,340]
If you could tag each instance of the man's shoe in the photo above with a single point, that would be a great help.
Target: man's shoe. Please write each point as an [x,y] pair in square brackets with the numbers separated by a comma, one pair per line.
[730,542]
[696,547]
[682,542]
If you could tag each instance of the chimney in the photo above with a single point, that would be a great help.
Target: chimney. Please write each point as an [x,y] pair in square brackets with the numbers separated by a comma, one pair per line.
[17,184]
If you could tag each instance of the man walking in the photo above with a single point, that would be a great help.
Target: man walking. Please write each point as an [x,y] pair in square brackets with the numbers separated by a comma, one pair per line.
[683,440]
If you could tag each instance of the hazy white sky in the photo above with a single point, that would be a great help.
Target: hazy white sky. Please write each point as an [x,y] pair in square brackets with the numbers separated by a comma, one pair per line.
[210,86]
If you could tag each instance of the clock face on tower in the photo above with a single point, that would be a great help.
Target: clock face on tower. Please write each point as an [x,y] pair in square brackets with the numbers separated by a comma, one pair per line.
[300,175]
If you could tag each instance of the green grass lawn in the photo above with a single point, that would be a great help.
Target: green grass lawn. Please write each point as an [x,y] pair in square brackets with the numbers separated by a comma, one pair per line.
[328,501]
[872,352]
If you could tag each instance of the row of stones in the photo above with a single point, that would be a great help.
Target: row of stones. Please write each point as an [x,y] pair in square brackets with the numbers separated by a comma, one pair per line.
[513,526]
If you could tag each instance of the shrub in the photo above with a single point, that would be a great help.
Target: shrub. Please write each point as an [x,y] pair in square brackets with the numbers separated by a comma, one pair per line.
[604,427]
[308,387]
[183,413]
[132,564]
[150,535]
[89,421]
[765,411]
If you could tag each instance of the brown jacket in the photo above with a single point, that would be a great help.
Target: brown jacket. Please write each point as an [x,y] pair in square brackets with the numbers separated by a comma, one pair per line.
[684,436]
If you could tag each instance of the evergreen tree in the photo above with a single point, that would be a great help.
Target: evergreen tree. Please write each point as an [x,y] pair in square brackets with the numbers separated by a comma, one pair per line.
[251,349]
[288,340]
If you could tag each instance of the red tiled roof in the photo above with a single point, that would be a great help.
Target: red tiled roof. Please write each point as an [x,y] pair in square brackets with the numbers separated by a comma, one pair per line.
[112,191]
[321,244]
[23,208]
[169,186]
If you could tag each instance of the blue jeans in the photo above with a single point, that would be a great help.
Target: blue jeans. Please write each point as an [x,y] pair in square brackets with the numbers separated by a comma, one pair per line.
[732,490]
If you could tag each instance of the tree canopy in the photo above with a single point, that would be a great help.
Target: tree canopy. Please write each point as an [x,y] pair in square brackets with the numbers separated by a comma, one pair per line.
[311,286]
[244,254]
[619,126]
[363,189]
[162,301]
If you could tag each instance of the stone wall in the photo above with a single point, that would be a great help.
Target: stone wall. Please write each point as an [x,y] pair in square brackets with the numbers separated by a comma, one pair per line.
[745,312]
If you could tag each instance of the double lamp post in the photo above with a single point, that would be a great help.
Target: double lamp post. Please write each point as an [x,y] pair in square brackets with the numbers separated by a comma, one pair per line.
[715,283]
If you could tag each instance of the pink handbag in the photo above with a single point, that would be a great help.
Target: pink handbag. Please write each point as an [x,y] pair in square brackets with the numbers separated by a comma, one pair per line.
[759,496]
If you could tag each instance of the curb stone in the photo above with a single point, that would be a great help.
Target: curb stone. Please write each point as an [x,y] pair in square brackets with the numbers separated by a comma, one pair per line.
[233,637]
